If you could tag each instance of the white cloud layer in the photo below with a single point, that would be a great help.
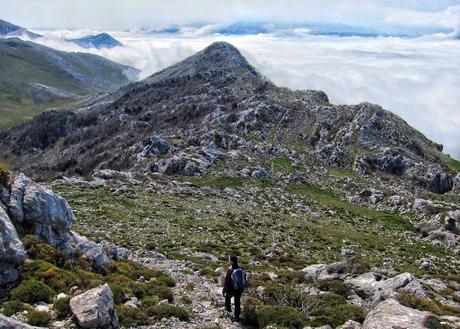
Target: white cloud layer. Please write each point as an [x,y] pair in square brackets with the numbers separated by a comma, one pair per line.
[117,14]
[417,79]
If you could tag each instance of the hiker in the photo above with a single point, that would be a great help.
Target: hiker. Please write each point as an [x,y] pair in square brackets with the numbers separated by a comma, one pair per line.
[235,281]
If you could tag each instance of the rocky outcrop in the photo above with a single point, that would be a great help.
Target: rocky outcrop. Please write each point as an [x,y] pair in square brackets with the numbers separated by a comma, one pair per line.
[155,145]
[443,229]
[312,272]
[39,211]
[375,287]
[12,253]
[8,323]
[440,183]
[95,309]
[390,314]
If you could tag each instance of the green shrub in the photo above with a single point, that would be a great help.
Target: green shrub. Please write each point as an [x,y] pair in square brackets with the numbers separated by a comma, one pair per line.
[291,276]
[43,251]
[421,304]
[62,307]
[335,286]
[150,301]
[433,322]
[12,307]
[56,278]
[32,291]
[131,270]
[209,273]
[342,313]
[117,292]
[161,291]
[283,295]
[129,316]
[250,310]
[5,178]
[39,319]
[167,311]
[88,280]
[165,280]
[281,315]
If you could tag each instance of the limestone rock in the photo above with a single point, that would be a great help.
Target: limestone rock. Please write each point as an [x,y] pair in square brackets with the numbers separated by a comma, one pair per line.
[32,203]
[12,252]
[8,323]
[156,146]
[49,217]
[11,249]
[390,314]
[89,249]
[440,183]
[95,308]
[377,287]
[350,324]
[313,271]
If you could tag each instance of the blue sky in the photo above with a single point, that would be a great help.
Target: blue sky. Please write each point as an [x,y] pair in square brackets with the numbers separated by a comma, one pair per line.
[387,16]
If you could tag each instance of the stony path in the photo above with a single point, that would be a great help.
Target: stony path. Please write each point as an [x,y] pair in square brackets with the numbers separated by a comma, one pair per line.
[207,303]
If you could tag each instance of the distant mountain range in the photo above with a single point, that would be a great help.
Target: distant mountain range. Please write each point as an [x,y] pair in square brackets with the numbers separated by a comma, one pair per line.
[35,77]
[102,40]
[305,28]
[8,29]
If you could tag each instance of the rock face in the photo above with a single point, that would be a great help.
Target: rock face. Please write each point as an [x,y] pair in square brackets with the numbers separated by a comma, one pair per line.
[390,314]
[39,211]
[8,323]
[95,309]
[12,253]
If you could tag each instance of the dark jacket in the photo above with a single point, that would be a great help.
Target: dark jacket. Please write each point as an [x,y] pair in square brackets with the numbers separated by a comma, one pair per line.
[228,287]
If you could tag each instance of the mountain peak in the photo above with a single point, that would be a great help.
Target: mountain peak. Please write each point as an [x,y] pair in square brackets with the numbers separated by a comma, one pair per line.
[102,40]
[218,57]
[9,29]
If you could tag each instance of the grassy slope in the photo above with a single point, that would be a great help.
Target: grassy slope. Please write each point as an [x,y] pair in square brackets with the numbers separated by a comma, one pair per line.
[173,223]
[22,64]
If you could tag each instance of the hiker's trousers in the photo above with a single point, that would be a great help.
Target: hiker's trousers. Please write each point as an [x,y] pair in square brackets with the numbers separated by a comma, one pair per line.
[236,295]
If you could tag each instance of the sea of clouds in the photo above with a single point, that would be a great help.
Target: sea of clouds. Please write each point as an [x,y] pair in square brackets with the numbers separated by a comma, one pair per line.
[416,78]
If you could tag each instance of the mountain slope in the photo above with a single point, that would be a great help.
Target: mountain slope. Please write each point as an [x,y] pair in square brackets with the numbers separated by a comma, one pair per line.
[8,29]
[36,77]
[329,208]
[102,40]
[183,119]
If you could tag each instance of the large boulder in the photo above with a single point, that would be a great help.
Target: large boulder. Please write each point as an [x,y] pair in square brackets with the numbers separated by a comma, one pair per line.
[440,183]
[32,203]
[312,272]
[8,323]
[390,314]
[95,308]
[155,145]
[12,252]
[87,248]
[48,216]
[376,287]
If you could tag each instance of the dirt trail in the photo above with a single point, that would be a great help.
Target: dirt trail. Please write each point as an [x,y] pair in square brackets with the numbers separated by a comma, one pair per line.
[203,297]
